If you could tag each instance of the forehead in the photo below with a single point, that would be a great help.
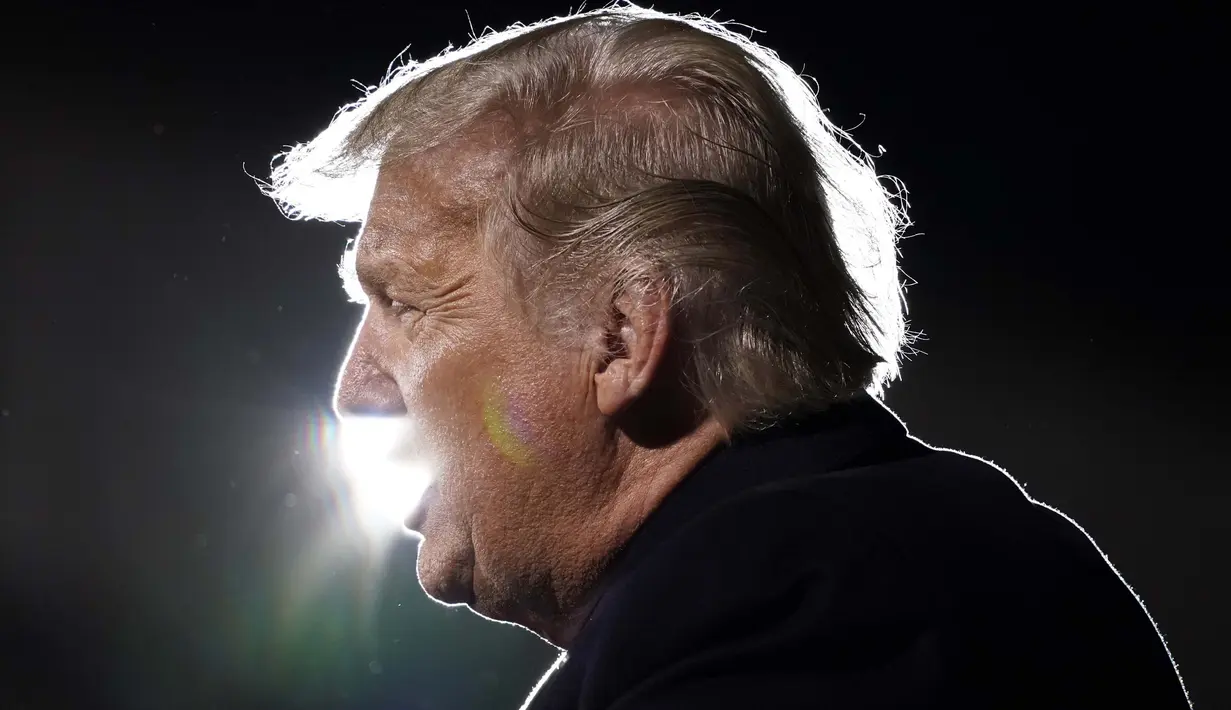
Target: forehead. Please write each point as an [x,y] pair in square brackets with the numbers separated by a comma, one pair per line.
[423,205]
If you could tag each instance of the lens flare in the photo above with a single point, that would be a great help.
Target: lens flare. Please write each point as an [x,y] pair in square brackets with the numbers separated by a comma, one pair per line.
[506,426]
[385,483]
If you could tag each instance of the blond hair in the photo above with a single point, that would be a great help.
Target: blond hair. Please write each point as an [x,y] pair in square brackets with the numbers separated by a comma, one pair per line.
[654,149]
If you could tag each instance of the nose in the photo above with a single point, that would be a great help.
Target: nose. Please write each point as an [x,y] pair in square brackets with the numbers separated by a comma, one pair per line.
[364,387]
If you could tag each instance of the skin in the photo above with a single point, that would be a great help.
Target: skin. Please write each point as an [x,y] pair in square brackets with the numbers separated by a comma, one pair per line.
[521,523]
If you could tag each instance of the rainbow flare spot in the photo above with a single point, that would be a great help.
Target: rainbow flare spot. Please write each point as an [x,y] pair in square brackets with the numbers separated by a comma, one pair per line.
[506,426]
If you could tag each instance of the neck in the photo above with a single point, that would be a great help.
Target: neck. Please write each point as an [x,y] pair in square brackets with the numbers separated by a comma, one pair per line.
[647,476]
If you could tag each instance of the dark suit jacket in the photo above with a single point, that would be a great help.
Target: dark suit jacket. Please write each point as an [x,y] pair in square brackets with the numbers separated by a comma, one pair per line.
[837,563]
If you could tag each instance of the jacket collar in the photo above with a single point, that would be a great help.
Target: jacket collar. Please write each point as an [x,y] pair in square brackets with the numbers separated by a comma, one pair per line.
[844,435]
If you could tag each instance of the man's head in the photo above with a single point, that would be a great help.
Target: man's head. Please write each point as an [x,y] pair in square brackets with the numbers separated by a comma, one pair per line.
[593,248]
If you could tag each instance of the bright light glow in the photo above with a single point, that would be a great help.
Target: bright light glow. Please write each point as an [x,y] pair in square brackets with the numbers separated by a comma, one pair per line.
[385,483]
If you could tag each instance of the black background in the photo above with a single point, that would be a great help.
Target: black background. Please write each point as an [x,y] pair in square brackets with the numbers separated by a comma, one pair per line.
[169,337]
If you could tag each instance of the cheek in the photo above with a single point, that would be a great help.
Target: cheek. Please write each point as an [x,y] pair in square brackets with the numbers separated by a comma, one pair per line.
[469,424]
[486,423]
[434,375]
[431,377]
[507,425]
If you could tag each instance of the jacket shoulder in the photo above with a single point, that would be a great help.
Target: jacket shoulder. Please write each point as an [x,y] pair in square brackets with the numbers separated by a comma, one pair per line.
[938,558]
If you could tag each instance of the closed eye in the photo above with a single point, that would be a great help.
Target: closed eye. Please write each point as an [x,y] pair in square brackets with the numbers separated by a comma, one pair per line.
[399,309]
[402,311]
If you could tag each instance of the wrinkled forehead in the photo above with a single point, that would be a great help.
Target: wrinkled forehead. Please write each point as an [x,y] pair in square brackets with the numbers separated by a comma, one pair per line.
[439,191]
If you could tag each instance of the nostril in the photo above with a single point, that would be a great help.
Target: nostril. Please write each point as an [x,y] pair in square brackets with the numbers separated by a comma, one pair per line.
[372,409]
[375,395]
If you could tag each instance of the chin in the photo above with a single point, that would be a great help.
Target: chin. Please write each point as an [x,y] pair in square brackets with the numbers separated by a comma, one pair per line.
[447,581]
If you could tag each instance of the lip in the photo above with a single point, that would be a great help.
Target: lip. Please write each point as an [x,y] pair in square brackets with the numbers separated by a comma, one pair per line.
[418,517]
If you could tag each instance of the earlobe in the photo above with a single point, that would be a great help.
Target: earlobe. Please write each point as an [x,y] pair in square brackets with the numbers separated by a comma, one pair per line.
[636,339]
[612,387]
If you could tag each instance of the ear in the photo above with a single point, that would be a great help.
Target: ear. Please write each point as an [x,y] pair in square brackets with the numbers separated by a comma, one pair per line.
[636,337]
